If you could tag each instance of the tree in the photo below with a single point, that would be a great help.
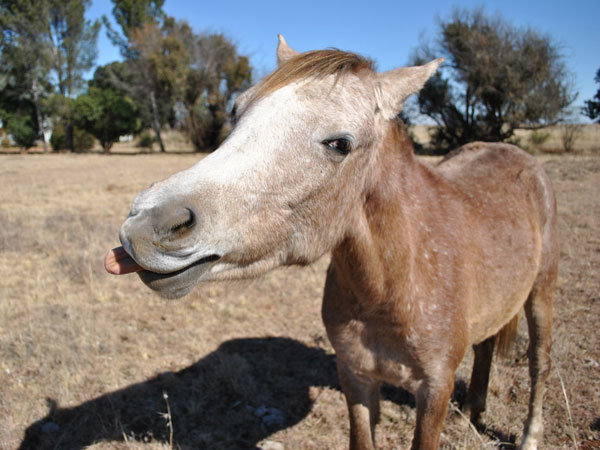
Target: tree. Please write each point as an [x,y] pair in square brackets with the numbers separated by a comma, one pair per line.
[118,75]
[174,75]
[73,44]
[160,64]
[105,114]
[592,107]
[131,15]
[21,128]
[217,73]
[46,45]
[17,111]
[496,79]
[24,64]
[157,57]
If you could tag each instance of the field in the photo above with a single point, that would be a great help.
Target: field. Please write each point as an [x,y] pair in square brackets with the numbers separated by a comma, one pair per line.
[89,360]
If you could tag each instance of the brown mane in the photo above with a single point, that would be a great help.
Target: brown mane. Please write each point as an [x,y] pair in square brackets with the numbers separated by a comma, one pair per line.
[318,63]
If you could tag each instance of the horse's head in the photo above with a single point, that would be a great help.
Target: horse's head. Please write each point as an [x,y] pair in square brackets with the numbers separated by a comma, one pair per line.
[283,188]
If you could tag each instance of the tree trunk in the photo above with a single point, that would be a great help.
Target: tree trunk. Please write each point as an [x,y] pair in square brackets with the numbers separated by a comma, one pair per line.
[69,134]
[193,130]
[106,146]
[38,114]
[156,121]
[216,125]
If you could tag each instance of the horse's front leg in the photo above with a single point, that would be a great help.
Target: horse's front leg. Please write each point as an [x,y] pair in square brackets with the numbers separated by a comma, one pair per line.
[362,397]
[432,404]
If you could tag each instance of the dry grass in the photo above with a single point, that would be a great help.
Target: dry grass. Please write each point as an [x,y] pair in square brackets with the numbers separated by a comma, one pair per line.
[86,358]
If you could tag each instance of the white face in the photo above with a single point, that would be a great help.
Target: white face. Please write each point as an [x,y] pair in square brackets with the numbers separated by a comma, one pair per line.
[282,189]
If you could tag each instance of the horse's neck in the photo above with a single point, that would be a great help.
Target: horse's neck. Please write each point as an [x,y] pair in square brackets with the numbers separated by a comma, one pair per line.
[378,253]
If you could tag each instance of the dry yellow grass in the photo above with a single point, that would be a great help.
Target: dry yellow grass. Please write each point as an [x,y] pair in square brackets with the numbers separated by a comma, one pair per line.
[86,357]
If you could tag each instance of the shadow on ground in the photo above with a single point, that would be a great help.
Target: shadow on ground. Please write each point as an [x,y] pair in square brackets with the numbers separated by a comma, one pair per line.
[233,398]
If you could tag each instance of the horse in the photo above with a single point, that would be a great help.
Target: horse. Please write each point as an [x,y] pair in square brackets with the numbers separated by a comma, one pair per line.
[426,261]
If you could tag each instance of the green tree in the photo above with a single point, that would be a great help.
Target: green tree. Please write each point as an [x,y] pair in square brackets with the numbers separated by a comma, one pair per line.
[160,68]
[105,114]
[216,74]
[73,44]
[175,75]
[131,15]
[118,75]
[47,45]
[17,112]
[497,78]
[592,107]
[24,62]
[156,57]
[21,128]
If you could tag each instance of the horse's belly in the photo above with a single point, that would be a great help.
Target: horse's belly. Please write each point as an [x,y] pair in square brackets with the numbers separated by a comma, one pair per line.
[502,292]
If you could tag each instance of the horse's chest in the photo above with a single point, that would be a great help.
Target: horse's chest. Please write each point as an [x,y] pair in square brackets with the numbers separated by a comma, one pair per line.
[376,351]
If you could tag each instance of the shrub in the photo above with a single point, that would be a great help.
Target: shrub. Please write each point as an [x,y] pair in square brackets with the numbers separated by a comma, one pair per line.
[516,140]
[22,130]
[537,138]
[82,141]
[106,114]
[569,132]
[146,140]
[58,140]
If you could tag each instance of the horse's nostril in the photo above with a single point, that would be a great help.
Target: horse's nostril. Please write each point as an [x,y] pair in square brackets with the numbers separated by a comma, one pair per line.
[173,222]
[187,222]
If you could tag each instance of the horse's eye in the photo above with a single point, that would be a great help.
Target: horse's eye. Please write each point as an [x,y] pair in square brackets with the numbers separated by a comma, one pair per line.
[340,145]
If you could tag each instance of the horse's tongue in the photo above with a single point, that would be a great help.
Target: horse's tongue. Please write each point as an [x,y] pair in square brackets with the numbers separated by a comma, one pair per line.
[118,262]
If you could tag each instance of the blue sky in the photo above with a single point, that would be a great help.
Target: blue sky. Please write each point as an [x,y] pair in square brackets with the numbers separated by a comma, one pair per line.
[386,31]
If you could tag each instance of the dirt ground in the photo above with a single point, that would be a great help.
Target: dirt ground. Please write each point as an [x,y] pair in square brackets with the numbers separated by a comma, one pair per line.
[88,360]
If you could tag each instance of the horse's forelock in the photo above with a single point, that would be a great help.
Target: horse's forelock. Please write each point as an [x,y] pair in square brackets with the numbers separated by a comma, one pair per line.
[318,64]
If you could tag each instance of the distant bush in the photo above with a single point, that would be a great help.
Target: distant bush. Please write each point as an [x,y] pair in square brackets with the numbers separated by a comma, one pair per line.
[22,130]
[146,140]
[58,140]
[82,141]
[106,114]
[569,132]
[537,138]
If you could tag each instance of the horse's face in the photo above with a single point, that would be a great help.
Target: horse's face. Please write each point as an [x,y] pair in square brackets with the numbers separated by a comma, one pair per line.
[282,189]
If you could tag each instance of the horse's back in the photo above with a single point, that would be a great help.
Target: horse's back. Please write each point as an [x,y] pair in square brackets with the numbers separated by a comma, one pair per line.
[485,162]
[501,174]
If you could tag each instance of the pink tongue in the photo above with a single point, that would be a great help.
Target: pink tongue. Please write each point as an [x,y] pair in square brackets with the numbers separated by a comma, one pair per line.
[118,262]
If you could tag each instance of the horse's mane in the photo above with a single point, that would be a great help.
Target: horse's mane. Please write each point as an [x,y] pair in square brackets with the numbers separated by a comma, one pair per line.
[318,63]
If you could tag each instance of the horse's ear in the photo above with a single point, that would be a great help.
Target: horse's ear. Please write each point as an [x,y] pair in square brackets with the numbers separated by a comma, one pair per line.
[284,51]
[396,85]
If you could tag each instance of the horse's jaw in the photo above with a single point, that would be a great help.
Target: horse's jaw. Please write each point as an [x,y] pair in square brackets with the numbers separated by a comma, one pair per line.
[178,283]
[170,284]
